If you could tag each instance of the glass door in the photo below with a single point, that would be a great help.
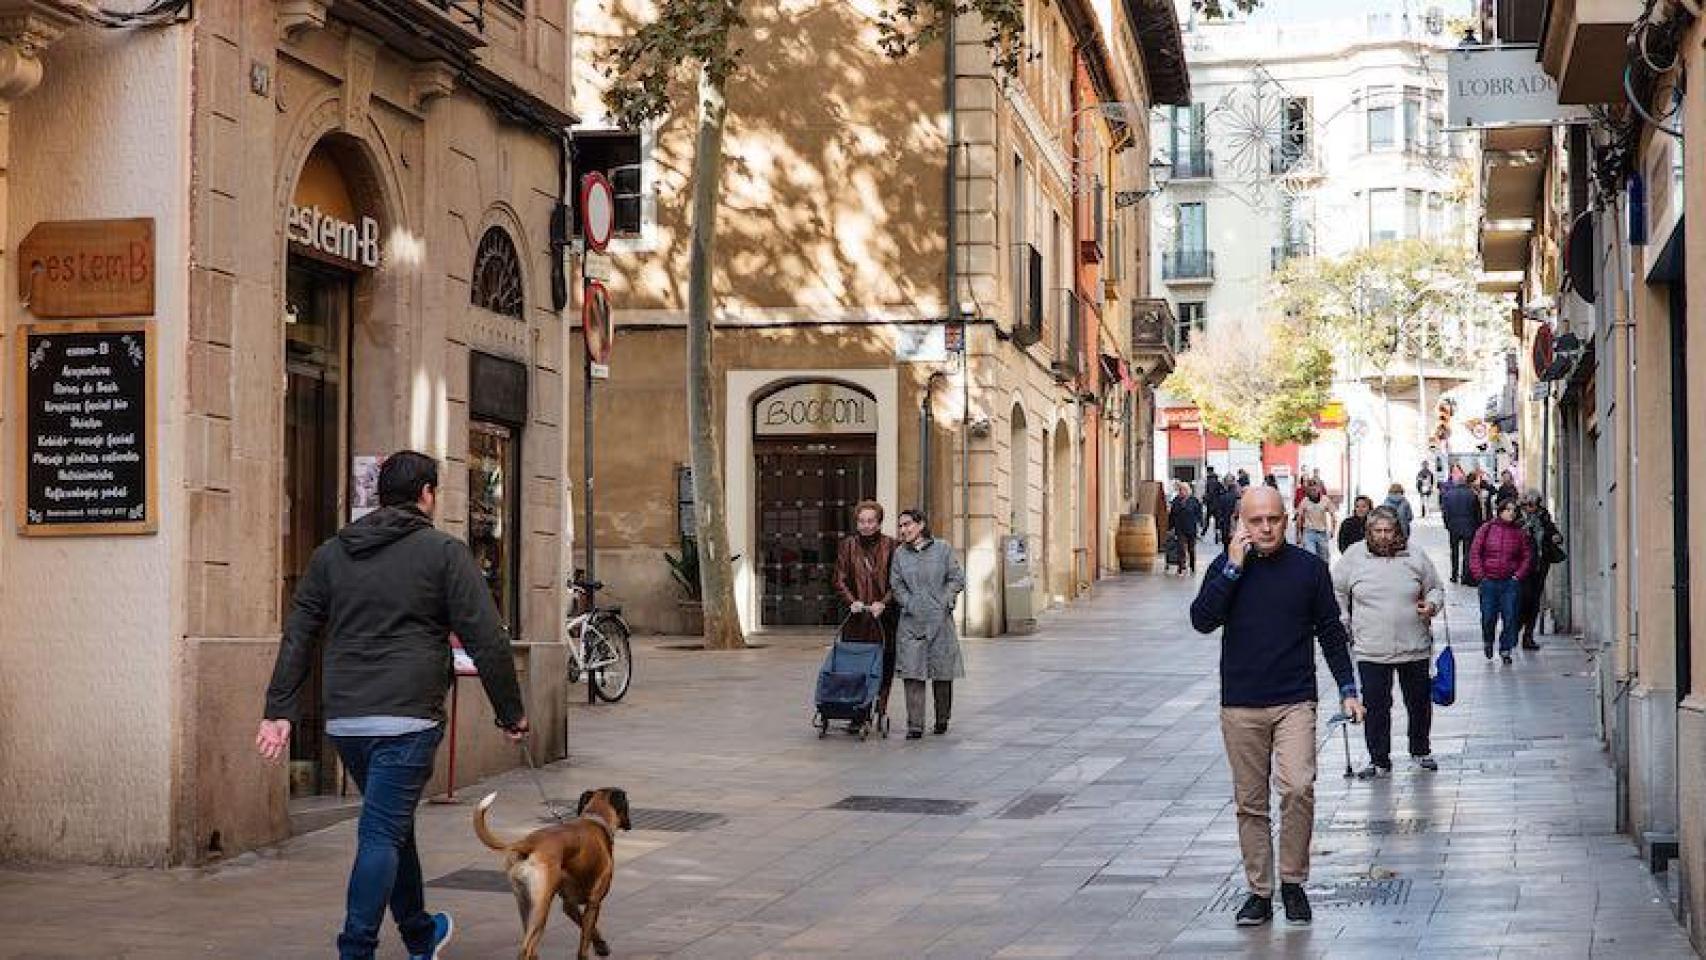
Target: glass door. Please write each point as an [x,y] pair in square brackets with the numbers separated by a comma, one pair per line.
[493,499]
[317,308]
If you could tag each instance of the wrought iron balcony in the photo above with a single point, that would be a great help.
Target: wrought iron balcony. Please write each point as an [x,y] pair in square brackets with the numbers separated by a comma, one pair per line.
[1193,165]
[1290,250]
[1187,266]
[1154,338]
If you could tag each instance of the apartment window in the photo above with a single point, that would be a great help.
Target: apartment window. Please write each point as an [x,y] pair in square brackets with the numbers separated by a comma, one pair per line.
[1414,117]
[1187,141]
[1438,229]
[1382,119]
[1384,217]
[1193,318]
[1021,244]
[1294,145]
[1413,214]
[616,154]
[1193,227]
[1057,275]
[1437,145]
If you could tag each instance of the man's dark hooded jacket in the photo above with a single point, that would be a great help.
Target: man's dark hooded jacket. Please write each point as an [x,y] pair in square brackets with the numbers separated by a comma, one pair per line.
[1461,509]
[387,591]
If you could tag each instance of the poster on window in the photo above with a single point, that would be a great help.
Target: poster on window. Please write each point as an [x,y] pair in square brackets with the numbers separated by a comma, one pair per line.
[364,486]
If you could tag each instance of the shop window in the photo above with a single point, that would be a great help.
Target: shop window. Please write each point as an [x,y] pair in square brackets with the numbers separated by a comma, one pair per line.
[618,155]
[497,410]
[497,275]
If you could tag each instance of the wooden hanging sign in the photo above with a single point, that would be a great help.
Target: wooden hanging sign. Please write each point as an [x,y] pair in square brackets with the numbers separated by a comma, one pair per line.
[88,268]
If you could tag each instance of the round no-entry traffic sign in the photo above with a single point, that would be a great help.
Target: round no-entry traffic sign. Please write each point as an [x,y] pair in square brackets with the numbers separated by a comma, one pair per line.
[595,322]
[598,210]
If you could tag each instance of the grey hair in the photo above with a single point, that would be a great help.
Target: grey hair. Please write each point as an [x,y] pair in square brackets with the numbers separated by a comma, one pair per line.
[1387,514]
[1531,495]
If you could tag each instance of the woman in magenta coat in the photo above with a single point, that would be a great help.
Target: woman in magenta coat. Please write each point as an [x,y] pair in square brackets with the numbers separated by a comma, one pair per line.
[1500,558]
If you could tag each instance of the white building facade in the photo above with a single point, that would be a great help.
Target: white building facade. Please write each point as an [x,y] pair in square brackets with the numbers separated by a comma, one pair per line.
[1305,139]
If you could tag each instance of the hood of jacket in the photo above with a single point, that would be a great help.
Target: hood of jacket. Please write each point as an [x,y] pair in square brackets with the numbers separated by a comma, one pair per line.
[380,529]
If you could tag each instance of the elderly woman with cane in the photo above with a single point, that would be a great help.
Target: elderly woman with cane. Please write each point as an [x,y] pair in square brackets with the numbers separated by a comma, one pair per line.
[1389,596]
[927,581]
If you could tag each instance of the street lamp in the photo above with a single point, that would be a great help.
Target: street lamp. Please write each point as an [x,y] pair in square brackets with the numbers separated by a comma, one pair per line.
[1158,169]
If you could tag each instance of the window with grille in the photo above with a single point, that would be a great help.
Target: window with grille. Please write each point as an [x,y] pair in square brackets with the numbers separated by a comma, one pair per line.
[617,155]
[497,275]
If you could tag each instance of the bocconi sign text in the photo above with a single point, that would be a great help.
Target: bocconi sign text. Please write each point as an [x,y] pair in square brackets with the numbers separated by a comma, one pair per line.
[331,236]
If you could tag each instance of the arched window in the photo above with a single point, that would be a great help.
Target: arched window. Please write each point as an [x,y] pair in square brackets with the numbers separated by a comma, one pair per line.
[497,275]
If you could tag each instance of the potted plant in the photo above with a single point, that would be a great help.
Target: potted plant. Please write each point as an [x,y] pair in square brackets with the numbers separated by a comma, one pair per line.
[685,569]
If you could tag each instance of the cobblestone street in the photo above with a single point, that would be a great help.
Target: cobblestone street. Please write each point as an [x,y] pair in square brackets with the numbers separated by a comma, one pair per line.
[1079,807]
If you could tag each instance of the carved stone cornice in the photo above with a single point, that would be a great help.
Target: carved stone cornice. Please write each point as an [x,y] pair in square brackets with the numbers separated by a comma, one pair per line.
[296,16]
[26,28]
[431,81]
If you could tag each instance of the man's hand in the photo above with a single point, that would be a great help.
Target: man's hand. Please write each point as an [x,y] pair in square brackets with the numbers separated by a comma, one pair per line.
[1353,708]
[518,731]
[1239,547]
[1425,610]
[876,609]
[273,739]
[856,607]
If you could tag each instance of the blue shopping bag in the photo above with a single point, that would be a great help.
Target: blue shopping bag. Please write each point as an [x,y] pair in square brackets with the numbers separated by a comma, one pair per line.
[1445,678]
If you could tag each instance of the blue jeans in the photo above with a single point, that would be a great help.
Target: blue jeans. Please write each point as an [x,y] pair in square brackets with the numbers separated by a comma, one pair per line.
[1500,599]
[392,773]
[1316,542]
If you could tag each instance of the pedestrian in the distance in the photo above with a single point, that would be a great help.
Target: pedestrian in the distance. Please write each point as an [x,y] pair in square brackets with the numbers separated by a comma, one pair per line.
[862,581]
[1273,602]
[1548,546]
[927,582]
[386,593]
[1507,492]
[1390,595]
[1499,559]
[1424,486]
[1211,490]
[1355,527]
[1315,520]
[1460,509]
[1400,505]
[1227,509]
[1184,519]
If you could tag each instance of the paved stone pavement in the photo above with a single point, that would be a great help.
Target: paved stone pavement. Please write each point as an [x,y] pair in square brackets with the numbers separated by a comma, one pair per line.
[1093,821]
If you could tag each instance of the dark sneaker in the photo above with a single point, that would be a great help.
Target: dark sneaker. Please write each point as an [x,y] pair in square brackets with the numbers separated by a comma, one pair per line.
[941,727]
[1428,763]
[1256,911]
[1530,645]
[1297,912]
[1487,649]
[443,928]
[914,734]
[1375,771]
[1506,657]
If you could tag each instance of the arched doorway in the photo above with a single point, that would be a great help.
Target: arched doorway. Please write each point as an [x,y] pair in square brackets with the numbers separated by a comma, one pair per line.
[332,235]
[814,447]
[1018,473]
[1060,516]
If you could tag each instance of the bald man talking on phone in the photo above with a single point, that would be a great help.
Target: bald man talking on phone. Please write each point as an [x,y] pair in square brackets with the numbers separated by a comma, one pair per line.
[1272,601]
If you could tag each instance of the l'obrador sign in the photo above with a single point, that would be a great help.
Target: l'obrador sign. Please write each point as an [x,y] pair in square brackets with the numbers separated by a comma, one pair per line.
[1502,86]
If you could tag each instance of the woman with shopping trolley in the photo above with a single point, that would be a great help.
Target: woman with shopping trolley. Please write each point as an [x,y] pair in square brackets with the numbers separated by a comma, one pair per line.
[1389,595]
[862,580]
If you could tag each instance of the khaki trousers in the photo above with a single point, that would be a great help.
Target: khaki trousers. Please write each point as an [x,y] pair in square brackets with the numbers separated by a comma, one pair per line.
[1276,743]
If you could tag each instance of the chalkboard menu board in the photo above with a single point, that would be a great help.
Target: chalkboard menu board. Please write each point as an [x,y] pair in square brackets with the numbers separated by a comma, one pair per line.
[86,404]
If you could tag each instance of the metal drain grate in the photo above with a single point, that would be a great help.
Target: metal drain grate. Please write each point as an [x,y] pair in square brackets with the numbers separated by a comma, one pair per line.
[479,881]
[1031,806]
[675,821]
[1344,893]
[920,805]
[1402,826]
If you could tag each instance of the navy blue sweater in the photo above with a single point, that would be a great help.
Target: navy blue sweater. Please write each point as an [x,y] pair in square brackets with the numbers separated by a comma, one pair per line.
[1268,614]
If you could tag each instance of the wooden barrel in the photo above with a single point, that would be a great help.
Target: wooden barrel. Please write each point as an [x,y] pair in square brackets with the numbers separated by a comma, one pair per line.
[1135,541]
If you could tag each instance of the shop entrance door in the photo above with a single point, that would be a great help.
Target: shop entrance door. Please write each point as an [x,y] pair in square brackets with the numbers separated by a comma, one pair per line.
[317,313]
[807,487]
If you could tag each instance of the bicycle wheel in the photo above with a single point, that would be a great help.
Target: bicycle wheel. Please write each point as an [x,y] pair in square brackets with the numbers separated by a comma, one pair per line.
[611,681]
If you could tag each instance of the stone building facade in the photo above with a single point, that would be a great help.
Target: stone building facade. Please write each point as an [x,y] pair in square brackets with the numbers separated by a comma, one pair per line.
[876,214]
[353,207]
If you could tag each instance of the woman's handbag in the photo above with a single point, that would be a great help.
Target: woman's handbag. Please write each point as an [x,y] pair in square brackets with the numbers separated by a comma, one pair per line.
[1553,552]
[1444,687]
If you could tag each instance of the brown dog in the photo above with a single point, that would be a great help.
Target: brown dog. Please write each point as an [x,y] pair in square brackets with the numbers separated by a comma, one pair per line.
[574,861]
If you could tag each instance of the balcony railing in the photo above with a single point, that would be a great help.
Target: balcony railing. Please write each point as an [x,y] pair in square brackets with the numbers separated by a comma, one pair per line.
[1187,265]
[1290,250]
[470,13]
[1193,165]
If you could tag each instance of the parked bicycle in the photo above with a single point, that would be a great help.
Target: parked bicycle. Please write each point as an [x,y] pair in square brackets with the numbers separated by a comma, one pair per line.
[598,643]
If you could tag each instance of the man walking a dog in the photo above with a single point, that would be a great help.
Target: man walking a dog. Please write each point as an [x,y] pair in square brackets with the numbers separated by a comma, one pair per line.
[1272,601]
[387,592]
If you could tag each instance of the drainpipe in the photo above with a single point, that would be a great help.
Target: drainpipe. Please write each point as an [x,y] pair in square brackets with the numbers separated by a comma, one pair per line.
[951,96]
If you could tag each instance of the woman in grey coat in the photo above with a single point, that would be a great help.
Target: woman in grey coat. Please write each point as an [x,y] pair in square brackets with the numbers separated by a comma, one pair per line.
[926,581]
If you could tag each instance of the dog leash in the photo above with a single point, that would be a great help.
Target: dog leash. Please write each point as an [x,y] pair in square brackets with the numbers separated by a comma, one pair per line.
[556,813]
